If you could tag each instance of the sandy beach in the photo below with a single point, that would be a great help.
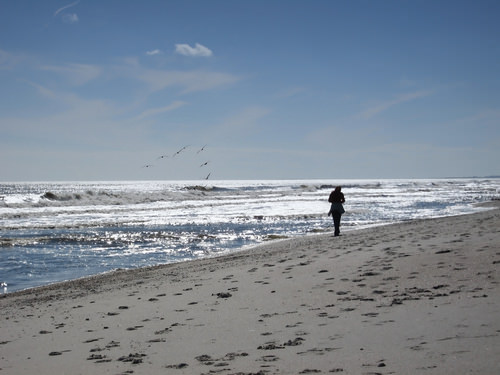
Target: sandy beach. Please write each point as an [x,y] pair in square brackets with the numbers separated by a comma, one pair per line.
[418,297]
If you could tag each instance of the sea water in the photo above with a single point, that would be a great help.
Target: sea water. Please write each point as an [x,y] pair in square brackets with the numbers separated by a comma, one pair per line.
[52,232]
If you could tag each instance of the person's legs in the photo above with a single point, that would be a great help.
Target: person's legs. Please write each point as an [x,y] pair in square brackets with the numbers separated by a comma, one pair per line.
[336,222]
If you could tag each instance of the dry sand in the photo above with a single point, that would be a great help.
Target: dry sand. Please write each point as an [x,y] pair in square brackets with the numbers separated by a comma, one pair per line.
[420,297]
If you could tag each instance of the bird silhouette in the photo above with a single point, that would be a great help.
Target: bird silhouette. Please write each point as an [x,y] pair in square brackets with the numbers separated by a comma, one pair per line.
[178,152]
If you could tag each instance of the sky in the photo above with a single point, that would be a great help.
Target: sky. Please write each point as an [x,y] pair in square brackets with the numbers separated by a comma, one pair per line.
[262,89]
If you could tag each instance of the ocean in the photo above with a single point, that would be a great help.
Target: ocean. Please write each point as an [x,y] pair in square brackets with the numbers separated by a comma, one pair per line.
[51,232]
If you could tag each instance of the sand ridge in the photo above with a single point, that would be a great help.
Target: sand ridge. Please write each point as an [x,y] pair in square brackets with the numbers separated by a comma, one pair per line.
[415,297]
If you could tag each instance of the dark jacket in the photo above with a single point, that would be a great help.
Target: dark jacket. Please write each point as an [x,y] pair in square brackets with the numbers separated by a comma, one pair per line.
[336,197]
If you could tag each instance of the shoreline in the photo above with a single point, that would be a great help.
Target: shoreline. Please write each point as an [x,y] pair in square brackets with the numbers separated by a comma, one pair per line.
[86,280]
[417,296]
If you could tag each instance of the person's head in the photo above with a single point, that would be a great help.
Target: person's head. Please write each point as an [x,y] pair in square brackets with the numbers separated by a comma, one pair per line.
[337,189]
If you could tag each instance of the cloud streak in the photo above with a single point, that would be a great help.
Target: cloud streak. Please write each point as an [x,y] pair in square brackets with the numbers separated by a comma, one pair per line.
[65,7]
[70,18]
[384,106]
[77,74]
[189,82]
[153,52]
[8,60]
[197,51]
[156,111]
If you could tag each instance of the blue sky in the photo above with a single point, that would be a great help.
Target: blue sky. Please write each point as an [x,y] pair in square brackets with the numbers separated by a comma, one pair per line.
[98,90]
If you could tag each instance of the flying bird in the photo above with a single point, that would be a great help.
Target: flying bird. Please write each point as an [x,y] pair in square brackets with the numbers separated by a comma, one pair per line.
[178,152]
[162,157]
[148,166]
[206,178]
[206,163]
[201,149]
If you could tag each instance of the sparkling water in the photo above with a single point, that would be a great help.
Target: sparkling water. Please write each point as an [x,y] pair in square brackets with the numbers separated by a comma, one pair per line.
[52,232]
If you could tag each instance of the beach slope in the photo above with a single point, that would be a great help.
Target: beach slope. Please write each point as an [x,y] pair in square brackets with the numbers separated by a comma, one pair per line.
[418,297]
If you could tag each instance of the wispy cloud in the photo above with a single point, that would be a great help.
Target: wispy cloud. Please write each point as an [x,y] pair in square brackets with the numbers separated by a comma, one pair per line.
[67,112]
[157,111]
[242,122]
[76,74]
[8,60]
[384,106]
[153,52]
[197,50]
[70,18]
[65,7]
[289,92]
[189,82]
[42,90]
[67,17]
[77,120]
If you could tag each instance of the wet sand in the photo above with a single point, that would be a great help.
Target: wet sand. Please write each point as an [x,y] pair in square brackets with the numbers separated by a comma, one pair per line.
[419,297]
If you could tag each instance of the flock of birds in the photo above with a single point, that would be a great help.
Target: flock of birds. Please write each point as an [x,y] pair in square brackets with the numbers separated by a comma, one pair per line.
[178,152]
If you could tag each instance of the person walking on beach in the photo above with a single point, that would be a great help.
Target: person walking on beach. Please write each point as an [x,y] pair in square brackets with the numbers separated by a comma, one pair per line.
[336,209]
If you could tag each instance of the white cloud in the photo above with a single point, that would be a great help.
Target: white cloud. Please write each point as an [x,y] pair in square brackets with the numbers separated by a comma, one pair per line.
[70,18]
[153,52]
[198,50]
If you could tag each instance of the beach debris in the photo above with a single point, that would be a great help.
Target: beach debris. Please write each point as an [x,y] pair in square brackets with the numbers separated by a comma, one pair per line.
[178,366]
[113,344]
[205,359]
[443,251]
[270,346]
[135,358]
[91,340]
[99,358]
[161,339]
[134,328]
[162,331]
[223,295]
[297,341]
